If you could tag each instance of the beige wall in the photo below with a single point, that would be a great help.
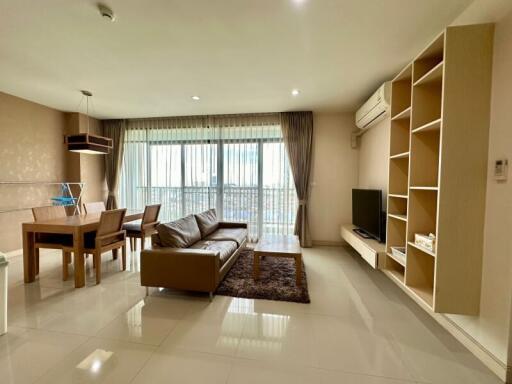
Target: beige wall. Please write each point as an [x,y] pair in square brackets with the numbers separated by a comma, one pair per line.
[32,149]
[373,148]
[333,175]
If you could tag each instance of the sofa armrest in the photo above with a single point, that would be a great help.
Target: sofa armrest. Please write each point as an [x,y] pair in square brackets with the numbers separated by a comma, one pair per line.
[180,268]
[231,224]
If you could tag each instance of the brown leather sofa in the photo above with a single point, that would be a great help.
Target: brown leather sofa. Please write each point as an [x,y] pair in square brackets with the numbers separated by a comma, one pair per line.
[193,253]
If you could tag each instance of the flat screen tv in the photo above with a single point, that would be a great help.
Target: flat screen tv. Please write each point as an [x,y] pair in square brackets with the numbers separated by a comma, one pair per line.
[367,213]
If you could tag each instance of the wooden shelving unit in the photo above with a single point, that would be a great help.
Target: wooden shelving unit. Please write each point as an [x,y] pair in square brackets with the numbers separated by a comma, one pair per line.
[437,169]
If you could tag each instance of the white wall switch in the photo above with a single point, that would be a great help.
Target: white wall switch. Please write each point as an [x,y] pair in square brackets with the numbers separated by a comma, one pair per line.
[501,169]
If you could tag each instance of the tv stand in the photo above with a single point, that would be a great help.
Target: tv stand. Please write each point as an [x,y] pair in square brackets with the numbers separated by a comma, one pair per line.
[369,249]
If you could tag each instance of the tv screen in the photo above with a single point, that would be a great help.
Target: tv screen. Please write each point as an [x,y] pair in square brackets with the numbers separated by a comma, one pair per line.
[367,212]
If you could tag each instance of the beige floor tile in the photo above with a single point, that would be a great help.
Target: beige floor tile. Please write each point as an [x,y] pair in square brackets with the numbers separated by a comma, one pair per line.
[149,321]
[100,361]
[26,355]
[184,367]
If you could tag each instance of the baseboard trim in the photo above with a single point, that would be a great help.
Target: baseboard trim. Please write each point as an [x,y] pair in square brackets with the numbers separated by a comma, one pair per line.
[327,243]
[490,360]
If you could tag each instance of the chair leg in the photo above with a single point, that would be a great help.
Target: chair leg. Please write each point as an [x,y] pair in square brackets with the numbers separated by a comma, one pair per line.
[97,257]
[123,257]
[142,242]
[93,261]
[69,257]
[65,256]
[211,296]
[37,261]
[114,254]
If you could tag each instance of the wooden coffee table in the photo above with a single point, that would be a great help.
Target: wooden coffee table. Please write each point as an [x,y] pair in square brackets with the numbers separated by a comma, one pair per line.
[279,246]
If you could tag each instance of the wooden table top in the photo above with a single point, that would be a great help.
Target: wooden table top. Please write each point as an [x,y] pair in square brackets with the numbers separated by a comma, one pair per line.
[278,244]
[79,220]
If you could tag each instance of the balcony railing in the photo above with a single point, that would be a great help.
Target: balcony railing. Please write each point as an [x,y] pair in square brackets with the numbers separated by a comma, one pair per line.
[278,206]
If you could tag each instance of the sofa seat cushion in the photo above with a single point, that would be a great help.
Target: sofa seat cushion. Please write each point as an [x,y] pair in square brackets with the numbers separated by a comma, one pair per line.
[225,248]
[207,222]
[233,234]
[181,233]
[133,226]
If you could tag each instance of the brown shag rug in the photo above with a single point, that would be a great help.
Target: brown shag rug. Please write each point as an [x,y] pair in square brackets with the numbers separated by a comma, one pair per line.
[276,282]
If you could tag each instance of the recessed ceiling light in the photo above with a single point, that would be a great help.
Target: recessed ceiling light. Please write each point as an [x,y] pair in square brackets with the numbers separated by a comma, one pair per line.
[196,98]
[295,92]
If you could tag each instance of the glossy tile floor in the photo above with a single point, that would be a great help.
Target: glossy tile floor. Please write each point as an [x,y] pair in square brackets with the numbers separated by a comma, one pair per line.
[358,329]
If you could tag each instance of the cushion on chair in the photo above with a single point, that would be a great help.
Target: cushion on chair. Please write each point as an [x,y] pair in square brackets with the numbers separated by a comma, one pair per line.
[207,222]
[133,226]
[225,248]
[229,234]
[181,233]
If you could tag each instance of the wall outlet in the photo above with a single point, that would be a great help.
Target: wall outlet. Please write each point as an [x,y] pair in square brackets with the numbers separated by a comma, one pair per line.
[501,169]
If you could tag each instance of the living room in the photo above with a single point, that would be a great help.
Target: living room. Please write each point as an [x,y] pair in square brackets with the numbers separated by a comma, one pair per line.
[181,181]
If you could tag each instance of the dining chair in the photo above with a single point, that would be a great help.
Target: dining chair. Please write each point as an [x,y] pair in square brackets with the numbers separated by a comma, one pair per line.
[143,228]
[50,240]
[94,207]
[109,237]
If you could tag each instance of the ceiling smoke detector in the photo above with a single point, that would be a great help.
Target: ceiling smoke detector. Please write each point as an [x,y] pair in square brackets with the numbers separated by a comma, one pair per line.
[106,12]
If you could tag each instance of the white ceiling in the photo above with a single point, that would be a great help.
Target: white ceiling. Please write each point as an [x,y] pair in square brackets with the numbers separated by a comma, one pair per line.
[238,55]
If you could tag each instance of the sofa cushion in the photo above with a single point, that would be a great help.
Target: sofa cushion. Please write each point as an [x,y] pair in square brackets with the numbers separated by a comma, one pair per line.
[225,248]
[181,233]
[207,222]
[224,234]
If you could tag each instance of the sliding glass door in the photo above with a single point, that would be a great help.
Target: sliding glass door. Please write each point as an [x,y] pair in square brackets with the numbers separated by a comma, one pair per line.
[247,179]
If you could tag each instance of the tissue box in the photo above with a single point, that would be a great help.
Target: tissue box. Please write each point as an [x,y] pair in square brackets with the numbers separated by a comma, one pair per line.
[425,241]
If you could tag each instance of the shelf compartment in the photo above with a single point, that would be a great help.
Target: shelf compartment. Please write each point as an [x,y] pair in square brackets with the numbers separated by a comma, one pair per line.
[422,215]
[397,205]
[434,75]
[401,88]
[425,159]
[422,249]
[394,269]
[398,176]
[420,274]
[396,236]
[398,260]
[429,59]
[426,104]
[404,114]
[432,126]
[400,155]
[397,216]
[400,136]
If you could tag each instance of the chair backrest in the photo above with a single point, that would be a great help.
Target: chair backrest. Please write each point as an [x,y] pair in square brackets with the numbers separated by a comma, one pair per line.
[151,213]
[95,207]
[48,213]
[111,221]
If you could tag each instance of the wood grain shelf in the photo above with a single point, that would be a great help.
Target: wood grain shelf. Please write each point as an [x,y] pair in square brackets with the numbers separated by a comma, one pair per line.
[432,126]
[440,108]
[398,196]
[400,156]
[405,114]
[435,74]
[398,217]
[424,188]
[423,249]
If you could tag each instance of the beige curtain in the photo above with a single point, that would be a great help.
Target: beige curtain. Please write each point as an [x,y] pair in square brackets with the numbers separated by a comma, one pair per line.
[297,130]
[114,129]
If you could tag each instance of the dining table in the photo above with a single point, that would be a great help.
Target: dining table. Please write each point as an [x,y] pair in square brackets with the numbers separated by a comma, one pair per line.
[77,226]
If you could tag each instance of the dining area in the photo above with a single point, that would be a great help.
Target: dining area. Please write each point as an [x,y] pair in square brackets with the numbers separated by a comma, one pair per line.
[93,233]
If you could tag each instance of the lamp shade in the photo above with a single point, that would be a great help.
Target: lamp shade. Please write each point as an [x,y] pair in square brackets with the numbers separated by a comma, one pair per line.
[87,143]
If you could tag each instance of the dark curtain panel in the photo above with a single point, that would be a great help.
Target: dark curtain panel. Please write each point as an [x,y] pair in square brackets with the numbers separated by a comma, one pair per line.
[114,129]
[297,130]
